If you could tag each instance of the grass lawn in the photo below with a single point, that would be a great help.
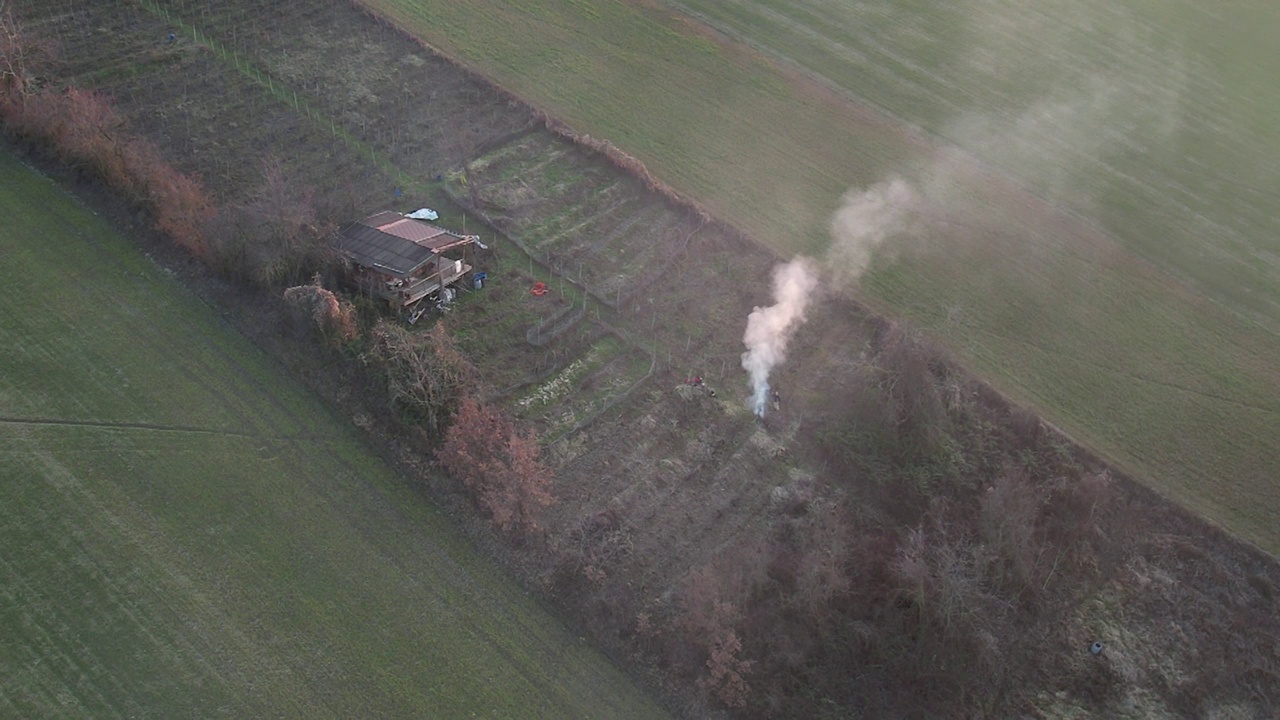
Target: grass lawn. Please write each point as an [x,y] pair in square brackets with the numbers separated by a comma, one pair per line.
[1145,321]
[186,532]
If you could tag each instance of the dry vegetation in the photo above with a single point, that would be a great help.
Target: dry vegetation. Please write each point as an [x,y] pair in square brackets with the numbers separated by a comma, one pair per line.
[276,236]
[499,466]
[83,129]
[897,540]
[320,309]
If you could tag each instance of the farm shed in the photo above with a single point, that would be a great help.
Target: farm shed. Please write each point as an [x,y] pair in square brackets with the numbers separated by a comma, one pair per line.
[402,259]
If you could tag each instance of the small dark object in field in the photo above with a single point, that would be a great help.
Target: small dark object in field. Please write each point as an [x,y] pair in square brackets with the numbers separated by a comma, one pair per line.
[1096,648]
[172,38]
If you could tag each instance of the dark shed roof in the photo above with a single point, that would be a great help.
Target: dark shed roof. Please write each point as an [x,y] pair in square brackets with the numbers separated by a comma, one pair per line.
[396,244]
[373,248]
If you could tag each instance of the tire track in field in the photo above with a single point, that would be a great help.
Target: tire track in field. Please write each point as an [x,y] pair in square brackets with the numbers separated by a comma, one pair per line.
[154,427]
[202,606]
[196,366]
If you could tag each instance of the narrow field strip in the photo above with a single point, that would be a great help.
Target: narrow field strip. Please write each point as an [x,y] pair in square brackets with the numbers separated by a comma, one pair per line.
[153,427]
[1120,372]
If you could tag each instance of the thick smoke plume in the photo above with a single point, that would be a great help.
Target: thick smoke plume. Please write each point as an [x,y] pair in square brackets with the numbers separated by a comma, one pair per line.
[769,329]
[864,221]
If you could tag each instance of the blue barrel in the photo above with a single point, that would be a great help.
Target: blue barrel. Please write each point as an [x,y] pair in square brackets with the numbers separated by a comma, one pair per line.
[477,279]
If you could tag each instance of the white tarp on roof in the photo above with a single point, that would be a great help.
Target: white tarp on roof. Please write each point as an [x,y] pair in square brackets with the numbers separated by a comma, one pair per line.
[424,214]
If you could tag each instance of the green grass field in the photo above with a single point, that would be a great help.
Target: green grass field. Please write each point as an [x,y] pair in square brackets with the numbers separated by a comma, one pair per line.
[186,532]
[1148,116]
[1145,323]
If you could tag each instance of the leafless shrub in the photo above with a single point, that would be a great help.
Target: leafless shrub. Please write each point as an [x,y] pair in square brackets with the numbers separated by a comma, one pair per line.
[726,671]
[1027,427]
[940,578]
[819,567]
[596,545]
[83,128]
[32,116]
[22,57]
[425,374]
[1084,498]
[907,369]
[898,428]
[645,627]
[179,202]
[1009,513]
[1072,513]
[88,129]
[1074,506]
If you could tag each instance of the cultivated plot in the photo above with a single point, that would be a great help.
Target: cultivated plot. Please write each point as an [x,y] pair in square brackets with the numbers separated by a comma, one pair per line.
[599,227]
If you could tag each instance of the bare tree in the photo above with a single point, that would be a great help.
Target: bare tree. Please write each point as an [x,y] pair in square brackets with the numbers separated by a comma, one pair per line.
[287,242]
[425,374]
[18,52]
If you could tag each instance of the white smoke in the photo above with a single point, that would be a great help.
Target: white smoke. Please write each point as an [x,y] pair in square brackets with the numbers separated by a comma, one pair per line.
[866,219]
[1065,126]
[769,329]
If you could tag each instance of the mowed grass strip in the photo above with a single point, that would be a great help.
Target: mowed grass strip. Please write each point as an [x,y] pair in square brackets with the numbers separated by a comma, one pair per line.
[187,533]
[1144,360]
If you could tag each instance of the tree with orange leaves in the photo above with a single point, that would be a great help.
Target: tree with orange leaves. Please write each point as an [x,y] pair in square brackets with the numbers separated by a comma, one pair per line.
[498,465]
